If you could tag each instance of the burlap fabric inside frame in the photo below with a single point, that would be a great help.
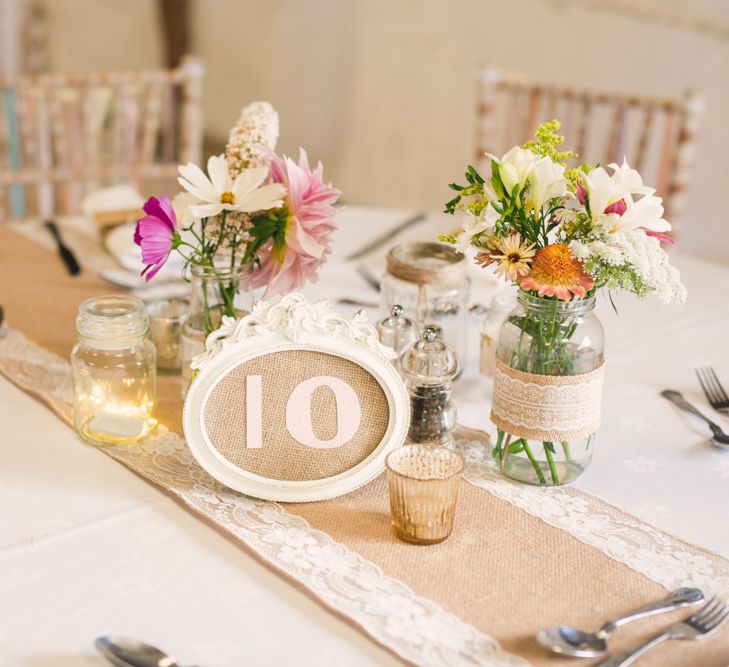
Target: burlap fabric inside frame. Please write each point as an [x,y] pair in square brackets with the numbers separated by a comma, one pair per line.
[281,456]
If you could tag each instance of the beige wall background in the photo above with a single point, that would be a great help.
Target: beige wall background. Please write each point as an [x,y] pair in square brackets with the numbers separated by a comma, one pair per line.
[381,90]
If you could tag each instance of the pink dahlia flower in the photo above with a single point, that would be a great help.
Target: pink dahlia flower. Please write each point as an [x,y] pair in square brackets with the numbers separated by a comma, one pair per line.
[295,254]
[155,233]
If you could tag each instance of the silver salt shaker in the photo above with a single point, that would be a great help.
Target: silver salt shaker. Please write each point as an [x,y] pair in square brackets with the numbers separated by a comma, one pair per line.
[396,330]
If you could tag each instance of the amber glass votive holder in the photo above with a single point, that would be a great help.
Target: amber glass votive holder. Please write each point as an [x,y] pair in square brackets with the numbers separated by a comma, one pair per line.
[424,483]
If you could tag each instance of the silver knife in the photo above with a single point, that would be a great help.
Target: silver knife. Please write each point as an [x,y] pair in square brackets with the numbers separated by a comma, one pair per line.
[373,245]
[69,259]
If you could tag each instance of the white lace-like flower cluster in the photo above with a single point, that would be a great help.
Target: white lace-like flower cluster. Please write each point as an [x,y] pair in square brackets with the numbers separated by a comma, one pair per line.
[642,253]
[253,138]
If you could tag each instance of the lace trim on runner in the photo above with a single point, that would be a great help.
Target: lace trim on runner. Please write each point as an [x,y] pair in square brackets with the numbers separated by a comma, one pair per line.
[415,628]
[663,558]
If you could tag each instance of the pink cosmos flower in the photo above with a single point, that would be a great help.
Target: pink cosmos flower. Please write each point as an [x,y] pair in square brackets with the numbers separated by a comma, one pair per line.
[155,233]
[295,255]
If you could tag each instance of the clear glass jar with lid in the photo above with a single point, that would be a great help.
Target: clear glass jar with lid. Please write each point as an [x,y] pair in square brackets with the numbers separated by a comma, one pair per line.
[114,372]
[429,366]
[430,281]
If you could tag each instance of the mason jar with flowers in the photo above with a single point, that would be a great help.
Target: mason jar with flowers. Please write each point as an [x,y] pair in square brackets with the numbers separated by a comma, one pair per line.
[559,235]
[254,220]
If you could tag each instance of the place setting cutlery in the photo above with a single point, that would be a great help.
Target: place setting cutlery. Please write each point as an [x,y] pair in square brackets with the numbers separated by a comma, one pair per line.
[717,397]
[566,640]
[701,624]
[387,236]
[125,652]
[65,253]
[713,389]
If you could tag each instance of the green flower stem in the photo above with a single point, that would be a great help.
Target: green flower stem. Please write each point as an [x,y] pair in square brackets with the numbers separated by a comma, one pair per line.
[499,440]
[548,446]
[535,463]
[566,450]
[206,307]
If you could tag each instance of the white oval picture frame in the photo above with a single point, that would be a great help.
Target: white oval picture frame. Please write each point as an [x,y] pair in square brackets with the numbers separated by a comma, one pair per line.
[292,325]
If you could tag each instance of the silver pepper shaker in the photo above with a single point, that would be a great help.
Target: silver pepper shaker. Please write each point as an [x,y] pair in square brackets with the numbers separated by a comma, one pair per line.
[396,330]
[429,366]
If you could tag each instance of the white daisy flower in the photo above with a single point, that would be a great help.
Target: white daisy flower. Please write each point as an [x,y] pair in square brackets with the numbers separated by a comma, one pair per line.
[218,192]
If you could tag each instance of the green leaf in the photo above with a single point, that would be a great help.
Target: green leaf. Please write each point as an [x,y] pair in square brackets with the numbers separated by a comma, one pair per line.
[475,174]
[450,206]
[498,187]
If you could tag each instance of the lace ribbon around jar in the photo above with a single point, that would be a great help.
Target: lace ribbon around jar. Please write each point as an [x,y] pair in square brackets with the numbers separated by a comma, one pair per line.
[553,408]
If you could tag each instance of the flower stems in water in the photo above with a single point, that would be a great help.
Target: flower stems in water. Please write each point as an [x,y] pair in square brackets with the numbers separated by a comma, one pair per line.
[535,463]
[549,453]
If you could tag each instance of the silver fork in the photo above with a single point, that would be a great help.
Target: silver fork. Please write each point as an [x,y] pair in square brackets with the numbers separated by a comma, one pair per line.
[704,623]
[712,388]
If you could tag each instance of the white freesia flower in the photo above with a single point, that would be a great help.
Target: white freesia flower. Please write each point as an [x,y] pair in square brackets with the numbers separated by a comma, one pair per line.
[602,191]
[647,212]
[476,225]
[628,179]
[516,166]
[546,181]
[218,192]
[605,189]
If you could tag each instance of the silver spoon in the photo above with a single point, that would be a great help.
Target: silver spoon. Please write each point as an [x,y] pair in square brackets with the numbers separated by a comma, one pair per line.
[570,641]
[720,438]
[125,652]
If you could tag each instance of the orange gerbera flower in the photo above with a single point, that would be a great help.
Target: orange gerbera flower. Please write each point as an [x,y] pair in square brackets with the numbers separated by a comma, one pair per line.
[555,272]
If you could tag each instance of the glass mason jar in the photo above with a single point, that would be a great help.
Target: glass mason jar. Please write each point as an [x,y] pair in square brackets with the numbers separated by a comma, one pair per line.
[501,305]
[215,292]
[549,337]
[114,372]
[430,281]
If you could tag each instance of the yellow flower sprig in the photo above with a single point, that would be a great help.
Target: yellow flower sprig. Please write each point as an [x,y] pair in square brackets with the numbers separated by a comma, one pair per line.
[546,142]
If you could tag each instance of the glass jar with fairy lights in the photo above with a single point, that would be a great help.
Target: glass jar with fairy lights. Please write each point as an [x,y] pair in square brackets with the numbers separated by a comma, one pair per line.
[114,372]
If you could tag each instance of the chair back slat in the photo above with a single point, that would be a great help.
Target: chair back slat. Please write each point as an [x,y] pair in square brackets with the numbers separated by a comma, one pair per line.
[535,101]
[665,164]
[685,153]
[657,135]
[582,124]
[644,137]
[78,132]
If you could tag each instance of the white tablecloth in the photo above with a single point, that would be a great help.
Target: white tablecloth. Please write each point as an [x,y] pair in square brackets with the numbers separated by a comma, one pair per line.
[87,548]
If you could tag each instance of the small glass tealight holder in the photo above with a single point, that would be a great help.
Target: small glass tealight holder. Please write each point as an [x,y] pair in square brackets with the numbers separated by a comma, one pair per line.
[396,330]
[114,372]
[429,366]
[166,319]
[423,483]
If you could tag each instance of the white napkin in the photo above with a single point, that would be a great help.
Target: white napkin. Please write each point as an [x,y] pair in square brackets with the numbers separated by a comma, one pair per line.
[120,244]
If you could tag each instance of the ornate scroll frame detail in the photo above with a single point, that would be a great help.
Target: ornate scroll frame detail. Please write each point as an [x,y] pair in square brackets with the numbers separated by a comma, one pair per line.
[293,324]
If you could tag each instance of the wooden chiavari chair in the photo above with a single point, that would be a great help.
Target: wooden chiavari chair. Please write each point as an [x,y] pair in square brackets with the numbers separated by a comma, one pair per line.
[657,135]
[62,135]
